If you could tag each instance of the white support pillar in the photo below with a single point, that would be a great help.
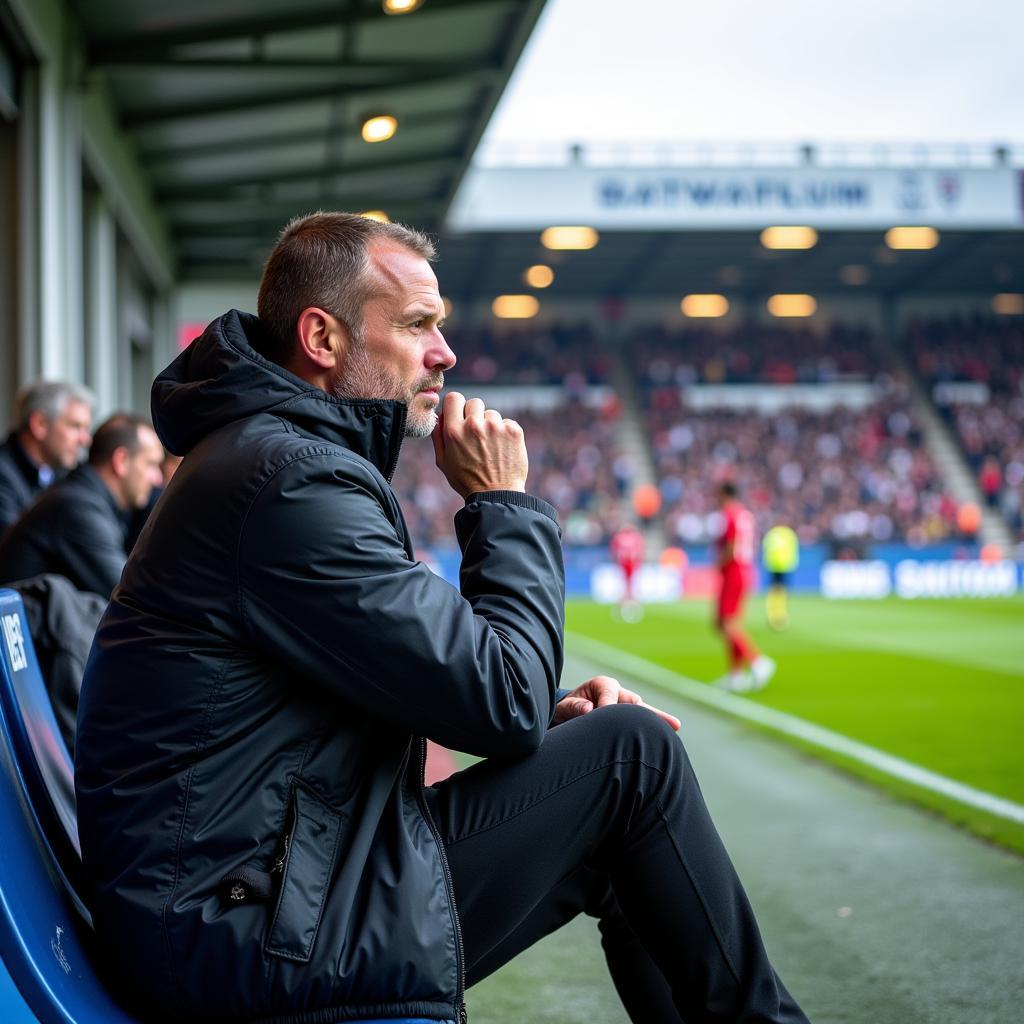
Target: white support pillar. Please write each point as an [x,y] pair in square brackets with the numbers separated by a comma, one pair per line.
[101,286]
[29,241]
[72,271]
[51,296]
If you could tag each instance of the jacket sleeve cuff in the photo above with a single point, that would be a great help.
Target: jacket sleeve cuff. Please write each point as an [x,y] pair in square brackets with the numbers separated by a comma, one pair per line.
[529,501]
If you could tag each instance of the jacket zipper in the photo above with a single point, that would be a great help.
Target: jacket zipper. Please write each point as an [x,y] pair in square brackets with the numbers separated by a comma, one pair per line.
[428,817]
[282,858]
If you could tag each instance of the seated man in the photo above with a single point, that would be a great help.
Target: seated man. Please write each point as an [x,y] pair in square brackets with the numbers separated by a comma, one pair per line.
[249,769]
[52,420]
[78,528]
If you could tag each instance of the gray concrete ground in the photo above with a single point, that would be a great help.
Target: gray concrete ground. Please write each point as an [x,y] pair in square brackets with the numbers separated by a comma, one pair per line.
[874,912]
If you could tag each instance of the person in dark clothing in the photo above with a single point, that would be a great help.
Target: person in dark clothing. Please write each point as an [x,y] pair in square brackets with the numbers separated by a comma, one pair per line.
[62,621]
[78,528]
[52,420]
[251,735]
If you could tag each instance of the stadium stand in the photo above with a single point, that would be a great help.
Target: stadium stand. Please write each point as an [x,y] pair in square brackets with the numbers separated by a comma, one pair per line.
[848,477]
[570,355]
[753,352]
[974,368]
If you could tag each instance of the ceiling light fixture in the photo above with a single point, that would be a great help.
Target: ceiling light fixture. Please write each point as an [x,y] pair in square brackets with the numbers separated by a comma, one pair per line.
[792,305]
[704,306]
[912,238]
[569,237]
[793,237]
[515,307]
[401,6]
[1008,304]
[379,127]
[540,275]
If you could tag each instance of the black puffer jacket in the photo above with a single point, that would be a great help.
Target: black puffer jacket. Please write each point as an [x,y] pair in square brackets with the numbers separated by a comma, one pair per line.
[248,770]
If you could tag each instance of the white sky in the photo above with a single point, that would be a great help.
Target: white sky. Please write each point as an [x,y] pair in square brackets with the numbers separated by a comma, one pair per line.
[779,70]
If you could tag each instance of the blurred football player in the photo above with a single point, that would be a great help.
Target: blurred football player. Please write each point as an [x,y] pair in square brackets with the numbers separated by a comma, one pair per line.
[780,553]
[627,546]
[748,669]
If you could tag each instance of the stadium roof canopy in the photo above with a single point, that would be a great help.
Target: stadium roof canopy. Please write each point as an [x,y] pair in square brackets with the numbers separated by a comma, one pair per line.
[245,114]
[656,264]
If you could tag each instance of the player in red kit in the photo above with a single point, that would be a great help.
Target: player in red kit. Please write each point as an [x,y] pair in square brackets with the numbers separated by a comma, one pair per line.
[627,547]
[748,669]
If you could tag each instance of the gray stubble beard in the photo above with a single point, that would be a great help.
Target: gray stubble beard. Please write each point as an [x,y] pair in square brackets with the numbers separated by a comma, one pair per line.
[361,378]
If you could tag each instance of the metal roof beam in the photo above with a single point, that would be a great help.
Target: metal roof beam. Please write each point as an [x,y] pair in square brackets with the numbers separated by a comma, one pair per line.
[280,98]
[134,44]
[267,225]
[935,262]
[424,166]
[272,140]
[402,68]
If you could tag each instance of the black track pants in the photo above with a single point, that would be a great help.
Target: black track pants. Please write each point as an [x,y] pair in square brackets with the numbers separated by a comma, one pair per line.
[607,819]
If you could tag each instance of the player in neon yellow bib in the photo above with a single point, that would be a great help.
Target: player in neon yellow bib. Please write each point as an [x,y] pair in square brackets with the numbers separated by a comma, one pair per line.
[780,552]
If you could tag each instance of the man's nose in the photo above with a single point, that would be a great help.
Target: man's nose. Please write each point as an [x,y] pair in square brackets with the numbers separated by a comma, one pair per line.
[440,356]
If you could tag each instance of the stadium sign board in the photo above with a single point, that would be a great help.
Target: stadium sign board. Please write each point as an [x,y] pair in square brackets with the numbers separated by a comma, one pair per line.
[643,198]
[912,579]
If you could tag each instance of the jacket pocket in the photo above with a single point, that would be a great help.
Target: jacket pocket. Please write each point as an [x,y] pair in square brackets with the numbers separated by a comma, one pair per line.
[312,852]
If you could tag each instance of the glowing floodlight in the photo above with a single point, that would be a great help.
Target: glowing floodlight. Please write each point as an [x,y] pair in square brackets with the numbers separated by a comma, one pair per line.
[794,237]
[912,238]
[377,215]
[1008,304]
[539,276]
[792,305]
[401,6]
[575,237]
[515,307]
[704,305]
[379,127]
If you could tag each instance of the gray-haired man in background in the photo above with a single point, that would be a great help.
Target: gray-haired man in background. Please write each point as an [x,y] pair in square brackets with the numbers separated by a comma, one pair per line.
[52,420]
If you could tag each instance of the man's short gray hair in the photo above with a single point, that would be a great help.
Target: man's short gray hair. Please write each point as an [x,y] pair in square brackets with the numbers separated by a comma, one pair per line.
[321,260]
[50,397]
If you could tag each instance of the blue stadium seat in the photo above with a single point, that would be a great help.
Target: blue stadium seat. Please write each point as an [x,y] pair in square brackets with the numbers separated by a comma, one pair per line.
[47,945]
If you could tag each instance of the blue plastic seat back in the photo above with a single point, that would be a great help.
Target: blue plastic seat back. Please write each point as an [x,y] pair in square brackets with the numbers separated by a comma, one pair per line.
[46,944]
[39,749]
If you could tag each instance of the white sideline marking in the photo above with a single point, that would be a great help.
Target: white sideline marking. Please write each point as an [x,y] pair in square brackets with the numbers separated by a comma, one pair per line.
[782,722]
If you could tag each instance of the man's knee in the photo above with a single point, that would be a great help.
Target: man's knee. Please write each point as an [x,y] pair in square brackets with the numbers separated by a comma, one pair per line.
[636,733]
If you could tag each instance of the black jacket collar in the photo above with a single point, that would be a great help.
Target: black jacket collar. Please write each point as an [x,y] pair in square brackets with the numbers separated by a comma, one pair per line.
[220,378]
[26,467]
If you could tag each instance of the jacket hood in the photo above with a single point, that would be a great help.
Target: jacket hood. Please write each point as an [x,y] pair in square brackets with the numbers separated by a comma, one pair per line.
[220,378]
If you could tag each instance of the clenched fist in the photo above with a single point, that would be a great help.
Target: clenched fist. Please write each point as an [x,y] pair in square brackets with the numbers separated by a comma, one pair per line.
[477,449]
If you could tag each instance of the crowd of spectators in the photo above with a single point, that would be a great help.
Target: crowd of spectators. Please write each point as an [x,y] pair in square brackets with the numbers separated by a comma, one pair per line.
[752,353]
[844,476]
[989,423]
[569,355]
[986,350]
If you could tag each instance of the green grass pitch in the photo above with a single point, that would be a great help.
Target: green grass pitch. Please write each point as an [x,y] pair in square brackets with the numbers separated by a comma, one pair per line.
[938,683]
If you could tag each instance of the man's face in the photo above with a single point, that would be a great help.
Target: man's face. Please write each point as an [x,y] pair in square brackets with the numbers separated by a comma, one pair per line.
[67,436]
[143,470]
[402,354]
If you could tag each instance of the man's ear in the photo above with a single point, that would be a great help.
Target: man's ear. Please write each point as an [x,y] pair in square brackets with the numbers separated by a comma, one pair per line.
[322,339]
[38,424]
[119,462]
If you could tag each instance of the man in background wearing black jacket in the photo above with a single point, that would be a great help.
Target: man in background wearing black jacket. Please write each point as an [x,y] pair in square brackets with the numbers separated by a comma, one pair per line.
[78,528]
[51,431]
[249,768]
